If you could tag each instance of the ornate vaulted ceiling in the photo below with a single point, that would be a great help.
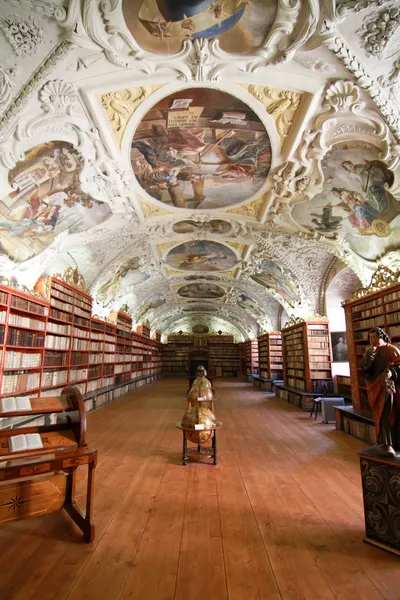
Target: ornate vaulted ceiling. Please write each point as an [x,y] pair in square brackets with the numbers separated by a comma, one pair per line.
[209,164]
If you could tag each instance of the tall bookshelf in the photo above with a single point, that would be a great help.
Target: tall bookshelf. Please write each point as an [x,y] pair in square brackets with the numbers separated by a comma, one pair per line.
[307,362]
[48,344]
[270,356]
[223,356]
[251,354]
[23,321]
[376,309]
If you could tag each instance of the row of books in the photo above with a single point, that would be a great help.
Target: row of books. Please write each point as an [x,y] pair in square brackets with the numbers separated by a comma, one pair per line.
[15,360]
[15,383]
[20,337]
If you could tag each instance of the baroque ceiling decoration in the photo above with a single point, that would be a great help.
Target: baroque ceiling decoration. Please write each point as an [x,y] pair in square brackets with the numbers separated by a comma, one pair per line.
[204,164]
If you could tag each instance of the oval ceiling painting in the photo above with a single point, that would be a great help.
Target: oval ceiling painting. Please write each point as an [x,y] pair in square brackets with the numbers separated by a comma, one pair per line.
[214,226]
[201,149]
[201,290]
[201,255]
[162,25]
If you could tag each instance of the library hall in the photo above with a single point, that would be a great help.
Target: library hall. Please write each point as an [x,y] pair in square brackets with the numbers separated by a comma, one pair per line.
[199,300]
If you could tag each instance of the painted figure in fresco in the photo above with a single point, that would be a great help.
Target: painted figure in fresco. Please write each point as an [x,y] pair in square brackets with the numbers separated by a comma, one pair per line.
[190,18]
[373,175]
[45,187]
[326,222]
[181,163]
[362,215]
[109,290]
[381,369]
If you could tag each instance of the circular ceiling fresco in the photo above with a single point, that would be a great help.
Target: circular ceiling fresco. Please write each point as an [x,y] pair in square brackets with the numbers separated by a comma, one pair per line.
[201,255]
[201,149]
[201,290]
[162,25]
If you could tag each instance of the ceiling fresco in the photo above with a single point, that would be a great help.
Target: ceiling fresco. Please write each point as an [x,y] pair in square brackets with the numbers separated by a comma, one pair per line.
[202,255]
[355,202]
[201,149]
[162,25]
[201,290]
[210,165]
[214,226]
[47,200]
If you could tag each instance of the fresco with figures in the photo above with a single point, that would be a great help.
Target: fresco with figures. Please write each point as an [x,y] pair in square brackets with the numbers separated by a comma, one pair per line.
[153,302]
[249,305]
[161,26]
[201,290]
[126,275]
[272,276]
[201,255]
[200,329]
[355,203]
[215,226]
[46,200]
[201,149]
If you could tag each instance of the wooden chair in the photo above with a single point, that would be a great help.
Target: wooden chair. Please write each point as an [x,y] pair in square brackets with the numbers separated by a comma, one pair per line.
[43,480]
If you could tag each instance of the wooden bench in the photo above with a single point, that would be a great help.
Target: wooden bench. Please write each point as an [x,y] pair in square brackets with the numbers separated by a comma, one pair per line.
[42,480]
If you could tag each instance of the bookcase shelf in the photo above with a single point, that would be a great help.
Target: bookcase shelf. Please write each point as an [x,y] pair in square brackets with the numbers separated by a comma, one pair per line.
[378,309]
[307,361]
[270,356]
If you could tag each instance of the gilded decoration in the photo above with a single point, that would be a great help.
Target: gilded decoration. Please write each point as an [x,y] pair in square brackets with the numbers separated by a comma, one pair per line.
[250,210]
[121,105]
[380,280]
[164,247]
[74,278]
[12,283]
[150,210]
[239,247]
[125,310]
[282,105]
[315,318]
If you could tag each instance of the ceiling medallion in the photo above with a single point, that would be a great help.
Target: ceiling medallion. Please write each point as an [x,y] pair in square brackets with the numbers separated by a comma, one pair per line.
[201,149]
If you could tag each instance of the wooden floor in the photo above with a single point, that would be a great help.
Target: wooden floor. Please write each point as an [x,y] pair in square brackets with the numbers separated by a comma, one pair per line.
[281,516]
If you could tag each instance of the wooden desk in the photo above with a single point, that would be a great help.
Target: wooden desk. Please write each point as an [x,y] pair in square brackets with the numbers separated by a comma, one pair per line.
[40,481]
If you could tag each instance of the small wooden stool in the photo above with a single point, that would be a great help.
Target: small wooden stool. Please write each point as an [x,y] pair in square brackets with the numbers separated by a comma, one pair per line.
[316,407]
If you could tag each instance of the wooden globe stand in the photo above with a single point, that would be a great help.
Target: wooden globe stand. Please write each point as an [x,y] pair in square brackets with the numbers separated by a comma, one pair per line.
[185,430]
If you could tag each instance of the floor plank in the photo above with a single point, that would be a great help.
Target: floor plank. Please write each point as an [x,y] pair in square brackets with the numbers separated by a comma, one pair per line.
[279,518]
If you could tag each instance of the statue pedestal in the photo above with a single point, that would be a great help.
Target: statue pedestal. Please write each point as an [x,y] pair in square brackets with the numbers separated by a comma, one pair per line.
[380,475]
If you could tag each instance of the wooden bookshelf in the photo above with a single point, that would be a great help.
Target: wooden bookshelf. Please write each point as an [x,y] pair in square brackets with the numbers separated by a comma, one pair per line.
[270,356]
[46,345]
[307,360]
[251,356]
[344,385]
[223,356]
[378,309]
[23,321]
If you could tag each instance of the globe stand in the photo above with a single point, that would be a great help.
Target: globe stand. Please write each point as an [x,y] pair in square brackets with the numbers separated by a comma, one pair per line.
[213,452]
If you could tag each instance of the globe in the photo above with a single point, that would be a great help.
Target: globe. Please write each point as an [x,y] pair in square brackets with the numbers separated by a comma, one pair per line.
[200,390]
[197,415]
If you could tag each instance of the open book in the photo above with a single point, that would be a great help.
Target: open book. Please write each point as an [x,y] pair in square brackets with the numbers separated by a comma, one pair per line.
[15,404]
[29,441]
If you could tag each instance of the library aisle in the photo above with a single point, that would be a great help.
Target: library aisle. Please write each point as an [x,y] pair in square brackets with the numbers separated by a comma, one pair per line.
[280,517]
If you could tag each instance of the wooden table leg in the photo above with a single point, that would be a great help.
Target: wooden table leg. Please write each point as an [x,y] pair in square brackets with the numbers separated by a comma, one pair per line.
[82,520]
[184,454]
[214,445]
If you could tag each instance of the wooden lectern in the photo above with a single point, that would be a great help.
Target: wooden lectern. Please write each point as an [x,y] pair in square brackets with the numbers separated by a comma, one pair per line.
[42,480]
